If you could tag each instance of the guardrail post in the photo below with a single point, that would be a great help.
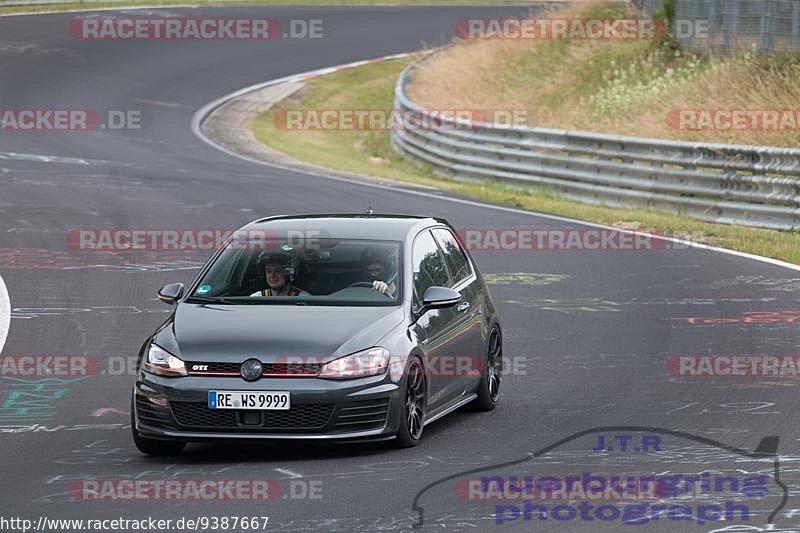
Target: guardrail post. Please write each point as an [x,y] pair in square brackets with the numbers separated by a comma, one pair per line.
[735,9]
[712,25]
[687,13]
[727,8]
[767,26]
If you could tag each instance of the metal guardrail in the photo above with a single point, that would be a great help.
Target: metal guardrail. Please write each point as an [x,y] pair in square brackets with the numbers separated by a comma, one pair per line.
[730,184]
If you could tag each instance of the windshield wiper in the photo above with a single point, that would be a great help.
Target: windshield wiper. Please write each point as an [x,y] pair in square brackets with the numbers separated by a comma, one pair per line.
[206,300]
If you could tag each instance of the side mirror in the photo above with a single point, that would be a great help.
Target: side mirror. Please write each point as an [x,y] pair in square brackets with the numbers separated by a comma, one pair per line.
[438,298]
[170,294]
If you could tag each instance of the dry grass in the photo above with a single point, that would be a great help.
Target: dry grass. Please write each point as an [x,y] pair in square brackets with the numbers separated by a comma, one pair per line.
[624,87]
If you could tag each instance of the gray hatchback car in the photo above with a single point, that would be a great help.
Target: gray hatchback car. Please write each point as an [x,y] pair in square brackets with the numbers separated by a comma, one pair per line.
[346,327]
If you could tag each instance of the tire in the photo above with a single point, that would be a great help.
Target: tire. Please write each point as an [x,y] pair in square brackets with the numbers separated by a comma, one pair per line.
[155,447]
[413,420]
[489,386]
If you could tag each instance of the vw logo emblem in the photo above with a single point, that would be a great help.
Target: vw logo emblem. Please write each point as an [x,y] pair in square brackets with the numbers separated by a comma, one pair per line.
[251,369]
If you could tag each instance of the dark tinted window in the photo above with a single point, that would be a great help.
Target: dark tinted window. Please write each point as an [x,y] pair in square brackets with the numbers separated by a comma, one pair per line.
[453,255]
[429,269]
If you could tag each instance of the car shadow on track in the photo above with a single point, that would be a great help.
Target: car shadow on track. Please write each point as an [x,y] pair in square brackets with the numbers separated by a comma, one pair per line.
[200,453]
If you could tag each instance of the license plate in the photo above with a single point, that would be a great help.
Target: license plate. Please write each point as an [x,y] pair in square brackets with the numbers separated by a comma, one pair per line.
[260,400]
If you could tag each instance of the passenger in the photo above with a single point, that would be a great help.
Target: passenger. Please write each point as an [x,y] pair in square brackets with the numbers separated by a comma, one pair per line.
[277,270]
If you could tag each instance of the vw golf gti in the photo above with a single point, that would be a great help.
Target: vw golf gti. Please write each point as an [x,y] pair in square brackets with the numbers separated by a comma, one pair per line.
[346,327]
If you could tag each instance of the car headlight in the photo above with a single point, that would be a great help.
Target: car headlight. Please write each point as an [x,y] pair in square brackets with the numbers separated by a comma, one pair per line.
[161,362]
[370,362]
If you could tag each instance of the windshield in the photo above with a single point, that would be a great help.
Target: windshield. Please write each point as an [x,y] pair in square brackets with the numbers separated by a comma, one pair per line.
[323,272]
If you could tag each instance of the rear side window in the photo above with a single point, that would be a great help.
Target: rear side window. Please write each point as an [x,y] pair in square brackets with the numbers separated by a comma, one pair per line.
[429,269]
[453,255]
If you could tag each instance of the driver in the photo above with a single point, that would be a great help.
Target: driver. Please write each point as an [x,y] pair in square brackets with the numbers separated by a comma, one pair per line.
[277,270]
[376,267]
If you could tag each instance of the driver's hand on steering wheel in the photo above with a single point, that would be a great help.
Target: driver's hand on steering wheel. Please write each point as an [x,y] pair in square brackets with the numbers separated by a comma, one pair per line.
[380,286]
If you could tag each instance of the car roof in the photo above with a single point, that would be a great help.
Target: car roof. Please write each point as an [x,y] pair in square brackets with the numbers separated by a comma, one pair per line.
[347,226]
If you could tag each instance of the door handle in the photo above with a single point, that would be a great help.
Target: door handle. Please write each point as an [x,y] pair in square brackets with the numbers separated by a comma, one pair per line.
[463,306]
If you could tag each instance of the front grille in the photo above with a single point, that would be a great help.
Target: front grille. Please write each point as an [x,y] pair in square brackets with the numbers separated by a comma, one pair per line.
[303,416]
[292,368]
[298,417]
[151,414]
[362,415]
[270,369]
[192,414]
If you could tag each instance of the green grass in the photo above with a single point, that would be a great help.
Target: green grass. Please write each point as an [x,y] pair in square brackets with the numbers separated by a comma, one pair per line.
[66,6]
[370,153]
[362,152]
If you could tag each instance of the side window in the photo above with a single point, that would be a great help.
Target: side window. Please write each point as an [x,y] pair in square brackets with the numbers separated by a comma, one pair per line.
[453,255]
[429,269]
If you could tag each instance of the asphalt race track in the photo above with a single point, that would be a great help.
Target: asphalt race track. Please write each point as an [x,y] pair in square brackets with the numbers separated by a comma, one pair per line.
[590,331]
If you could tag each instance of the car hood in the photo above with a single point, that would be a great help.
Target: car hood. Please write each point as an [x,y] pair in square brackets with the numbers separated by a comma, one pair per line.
[233,333]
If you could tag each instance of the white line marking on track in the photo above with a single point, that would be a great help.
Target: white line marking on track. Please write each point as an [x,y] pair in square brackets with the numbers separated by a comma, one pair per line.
[14,156]
[90,9]
[206,110]
[287,472]
[5,313]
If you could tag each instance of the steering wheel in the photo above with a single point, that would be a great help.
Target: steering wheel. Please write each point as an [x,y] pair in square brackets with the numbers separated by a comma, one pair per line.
[361,284]
[368,284]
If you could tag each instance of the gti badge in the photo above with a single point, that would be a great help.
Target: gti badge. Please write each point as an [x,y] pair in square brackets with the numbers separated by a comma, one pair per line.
[251,369]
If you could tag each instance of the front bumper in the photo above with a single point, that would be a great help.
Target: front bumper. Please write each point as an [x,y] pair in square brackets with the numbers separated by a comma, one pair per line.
[177,408]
